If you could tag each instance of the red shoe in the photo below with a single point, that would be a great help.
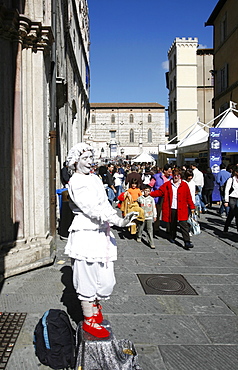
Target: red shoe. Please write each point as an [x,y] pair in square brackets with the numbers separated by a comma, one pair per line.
[98,332]
[98,316]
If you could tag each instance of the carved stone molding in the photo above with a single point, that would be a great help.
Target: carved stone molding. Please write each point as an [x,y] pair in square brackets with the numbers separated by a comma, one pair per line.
[18,27]
[34,35]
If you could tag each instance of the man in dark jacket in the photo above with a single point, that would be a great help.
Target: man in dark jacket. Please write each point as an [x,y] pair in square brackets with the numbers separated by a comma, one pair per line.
[134,175]
[64,174]
[111,190]
[221,179]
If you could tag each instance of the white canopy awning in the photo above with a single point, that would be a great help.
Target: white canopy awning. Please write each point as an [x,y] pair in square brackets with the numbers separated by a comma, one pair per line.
[195,140]
[144,157]
[229,120]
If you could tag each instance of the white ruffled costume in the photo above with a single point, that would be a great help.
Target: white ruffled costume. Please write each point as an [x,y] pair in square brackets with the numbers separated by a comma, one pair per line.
[91,244]
[90,237]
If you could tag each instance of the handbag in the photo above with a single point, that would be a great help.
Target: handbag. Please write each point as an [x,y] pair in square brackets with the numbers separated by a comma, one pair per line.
[194,225]
[231,188]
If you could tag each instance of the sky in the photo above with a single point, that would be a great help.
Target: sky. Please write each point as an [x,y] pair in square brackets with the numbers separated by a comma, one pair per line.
[130,40]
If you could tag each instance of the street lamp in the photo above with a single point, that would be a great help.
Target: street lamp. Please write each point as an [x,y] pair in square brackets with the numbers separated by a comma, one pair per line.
[141,137]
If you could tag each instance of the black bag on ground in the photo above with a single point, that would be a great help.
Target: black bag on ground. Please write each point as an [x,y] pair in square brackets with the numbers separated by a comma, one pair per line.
[54,340]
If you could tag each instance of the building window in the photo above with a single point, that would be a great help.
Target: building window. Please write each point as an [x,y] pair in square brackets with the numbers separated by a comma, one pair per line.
[175,105]
[149,118]
[223,28]
[93,118]
[171,107]
[222,79]
[170,128]
[149,135]
[131,135]
[131,118]
[175,127]
[113,134]
[113,118]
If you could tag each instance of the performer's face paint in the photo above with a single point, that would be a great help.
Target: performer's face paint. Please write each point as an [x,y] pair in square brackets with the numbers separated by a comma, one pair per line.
[84,164]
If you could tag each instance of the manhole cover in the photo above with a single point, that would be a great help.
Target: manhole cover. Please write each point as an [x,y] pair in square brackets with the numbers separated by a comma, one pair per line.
[162,284]
[10,327]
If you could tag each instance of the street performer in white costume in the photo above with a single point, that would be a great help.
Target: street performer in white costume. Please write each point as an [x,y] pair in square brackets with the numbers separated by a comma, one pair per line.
[91,244]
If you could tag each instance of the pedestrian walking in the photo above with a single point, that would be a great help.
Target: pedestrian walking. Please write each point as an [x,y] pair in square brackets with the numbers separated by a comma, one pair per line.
[231,199]
[199,181]
[64,174]
[118,181]
[147,203]
[208,187]
[177,201]
[160,178]
[221,180]
[134,174]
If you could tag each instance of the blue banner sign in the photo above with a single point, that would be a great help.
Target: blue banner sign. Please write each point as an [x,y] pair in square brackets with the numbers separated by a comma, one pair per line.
[221,140]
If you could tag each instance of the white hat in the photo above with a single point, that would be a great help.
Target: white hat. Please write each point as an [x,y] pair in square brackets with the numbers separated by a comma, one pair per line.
[75,152]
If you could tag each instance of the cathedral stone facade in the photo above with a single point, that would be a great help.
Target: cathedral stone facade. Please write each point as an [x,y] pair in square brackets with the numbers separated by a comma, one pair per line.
[126,129]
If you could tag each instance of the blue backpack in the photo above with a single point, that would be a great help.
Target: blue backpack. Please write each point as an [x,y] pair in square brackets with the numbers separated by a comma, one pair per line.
[54,340]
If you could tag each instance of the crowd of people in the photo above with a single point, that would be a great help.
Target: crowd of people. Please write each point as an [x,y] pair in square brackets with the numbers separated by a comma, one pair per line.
[142,187]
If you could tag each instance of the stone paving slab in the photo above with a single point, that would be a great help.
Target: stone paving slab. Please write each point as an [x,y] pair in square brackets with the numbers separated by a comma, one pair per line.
[171,305]
[158,329]
[184,270]
[213,279]
[220,330]
[200,357]
[35,282]
[30,303]
[150,357]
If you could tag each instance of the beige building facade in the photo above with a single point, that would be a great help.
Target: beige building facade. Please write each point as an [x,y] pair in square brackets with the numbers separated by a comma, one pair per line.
[224,20]
[190,86]
[44,69]
[126,129]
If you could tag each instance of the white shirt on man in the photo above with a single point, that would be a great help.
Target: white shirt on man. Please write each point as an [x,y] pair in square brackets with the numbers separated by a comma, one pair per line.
[198,177]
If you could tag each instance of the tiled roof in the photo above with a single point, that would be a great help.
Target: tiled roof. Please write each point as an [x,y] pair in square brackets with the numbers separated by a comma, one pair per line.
[125,105]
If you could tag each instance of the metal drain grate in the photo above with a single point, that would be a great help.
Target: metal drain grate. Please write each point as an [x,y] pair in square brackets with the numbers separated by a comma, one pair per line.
[165,284]
[10,327]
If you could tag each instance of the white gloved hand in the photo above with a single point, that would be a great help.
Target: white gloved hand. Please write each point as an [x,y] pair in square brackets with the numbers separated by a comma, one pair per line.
[127,221]
[123,222]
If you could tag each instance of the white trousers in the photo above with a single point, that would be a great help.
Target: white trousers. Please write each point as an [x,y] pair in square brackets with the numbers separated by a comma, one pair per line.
[93,279]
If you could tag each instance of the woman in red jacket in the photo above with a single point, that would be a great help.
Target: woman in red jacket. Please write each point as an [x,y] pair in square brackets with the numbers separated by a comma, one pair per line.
[177,201]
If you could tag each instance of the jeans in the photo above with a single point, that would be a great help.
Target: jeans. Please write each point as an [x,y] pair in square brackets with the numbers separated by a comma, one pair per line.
[149,228]
[110,194]
[119,190]
[233,212]
[222,207]
[202,205]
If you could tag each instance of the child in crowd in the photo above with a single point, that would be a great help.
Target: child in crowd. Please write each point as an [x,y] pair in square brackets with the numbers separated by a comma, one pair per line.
[129,203]
[197,203]
[147,203]
[134,190]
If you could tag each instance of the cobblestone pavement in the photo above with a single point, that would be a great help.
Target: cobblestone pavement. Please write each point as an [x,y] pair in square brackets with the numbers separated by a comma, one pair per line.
[170,332]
